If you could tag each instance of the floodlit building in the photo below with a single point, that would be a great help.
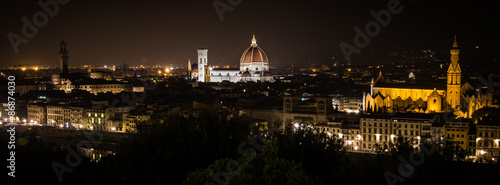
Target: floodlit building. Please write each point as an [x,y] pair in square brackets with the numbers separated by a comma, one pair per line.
[375,130]
[58,115]
[488,141]
[457,132]
[254,66]
[459,98]
[384,129]
[37,114]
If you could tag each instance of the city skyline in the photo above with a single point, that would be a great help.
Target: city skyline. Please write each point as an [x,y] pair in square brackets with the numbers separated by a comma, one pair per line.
[170,33]
[250,92]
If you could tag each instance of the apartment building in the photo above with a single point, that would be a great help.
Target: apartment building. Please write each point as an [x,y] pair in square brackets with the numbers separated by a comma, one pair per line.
[488,141]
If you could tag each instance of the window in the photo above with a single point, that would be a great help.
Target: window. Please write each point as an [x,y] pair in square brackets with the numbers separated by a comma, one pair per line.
[375,124]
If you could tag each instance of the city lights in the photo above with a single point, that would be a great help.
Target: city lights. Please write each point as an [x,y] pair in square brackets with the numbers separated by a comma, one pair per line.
[181,98]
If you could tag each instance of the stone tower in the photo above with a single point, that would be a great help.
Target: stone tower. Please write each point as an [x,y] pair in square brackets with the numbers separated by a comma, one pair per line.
[202,62]
[63,59]
[454,78]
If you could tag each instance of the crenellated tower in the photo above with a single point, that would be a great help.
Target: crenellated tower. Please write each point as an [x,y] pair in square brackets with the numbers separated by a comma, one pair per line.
[63,59]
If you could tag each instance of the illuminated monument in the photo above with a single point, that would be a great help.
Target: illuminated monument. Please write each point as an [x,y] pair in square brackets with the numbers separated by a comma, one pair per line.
[460,99]
[254,66]
[454,79]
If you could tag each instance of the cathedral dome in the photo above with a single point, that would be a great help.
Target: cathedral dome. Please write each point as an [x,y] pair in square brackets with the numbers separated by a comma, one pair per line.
[254,54]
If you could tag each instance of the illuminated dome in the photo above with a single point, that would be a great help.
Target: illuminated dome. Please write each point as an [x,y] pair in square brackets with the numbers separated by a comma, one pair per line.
[254,54]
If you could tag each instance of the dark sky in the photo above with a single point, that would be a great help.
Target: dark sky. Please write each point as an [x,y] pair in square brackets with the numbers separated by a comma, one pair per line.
[290,32]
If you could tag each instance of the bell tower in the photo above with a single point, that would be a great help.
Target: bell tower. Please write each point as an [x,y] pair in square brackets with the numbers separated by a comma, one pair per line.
[454,78]
[202,62]
[63,59]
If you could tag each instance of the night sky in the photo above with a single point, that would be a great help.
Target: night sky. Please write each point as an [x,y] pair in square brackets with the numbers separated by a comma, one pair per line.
[150,32]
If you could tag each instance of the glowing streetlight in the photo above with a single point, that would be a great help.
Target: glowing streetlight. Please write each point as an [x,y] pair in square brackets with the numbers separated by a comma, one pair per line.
[296,125]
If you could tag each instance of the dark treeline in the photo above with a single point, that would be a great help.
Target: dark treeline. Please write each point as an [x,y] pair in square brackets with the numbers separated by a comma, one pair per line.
[216,146]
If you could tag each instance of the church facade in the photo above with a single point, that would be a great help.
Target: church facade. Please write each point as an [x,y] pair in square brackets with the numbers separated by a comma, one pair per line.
[459,98]
[254,66]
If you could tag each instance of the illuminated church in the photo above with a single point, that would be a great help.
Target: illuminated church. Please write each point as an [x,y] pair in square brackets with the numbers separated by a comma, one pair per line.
[454,96]
[254,66]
